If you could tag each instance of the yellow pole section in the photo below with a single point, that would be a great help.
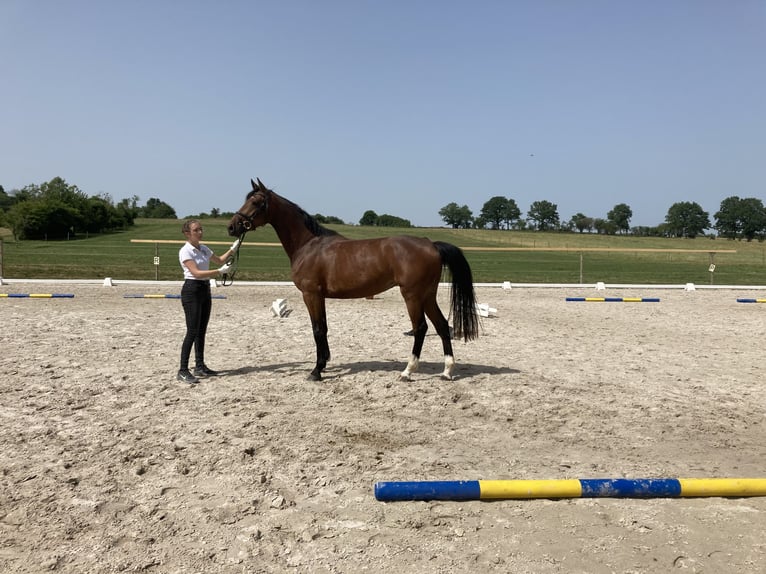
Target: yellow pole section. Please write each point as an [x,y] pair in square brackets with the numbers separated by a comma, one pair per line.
[734,487]
[564,488]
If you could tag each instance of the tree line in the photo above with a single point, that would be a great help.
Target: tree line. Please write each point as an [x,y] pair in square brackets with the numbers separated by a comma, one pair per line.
[58,210]
[737,218]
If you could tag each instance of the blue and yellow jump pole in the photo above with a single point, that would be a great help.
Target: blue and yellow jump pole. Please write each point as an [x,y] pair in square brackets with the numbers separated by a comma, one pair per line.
[615,299]
[458,490]
[751,300]
[38,295]
[163,296]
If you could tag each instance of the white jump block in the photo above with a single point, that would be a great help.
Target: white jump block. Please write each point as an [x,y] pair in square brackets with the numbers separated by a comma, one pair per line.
[1,281]
[507,285]
[689,287]
[213,283]
[279,308]
[485,310]
[108,282]
[600,286]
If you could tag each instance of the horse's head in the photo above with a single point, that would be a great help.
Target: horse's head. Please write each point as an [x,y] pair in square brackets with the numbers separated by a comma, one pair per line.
[255,211]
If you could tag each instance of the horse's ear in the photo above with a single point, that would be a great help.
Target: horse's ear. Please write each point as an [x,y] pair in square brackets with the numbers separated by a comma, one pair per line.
[260,183]
[255,187]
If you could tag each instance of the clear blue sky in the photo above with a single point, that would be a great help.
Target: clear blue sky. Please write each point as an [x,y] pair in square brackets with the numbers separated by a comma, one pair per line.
[399,106]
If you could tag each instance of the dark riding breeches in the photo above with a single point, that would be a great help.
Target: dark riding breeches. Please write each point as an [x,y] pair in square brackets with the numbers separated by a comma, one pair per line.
[197,303]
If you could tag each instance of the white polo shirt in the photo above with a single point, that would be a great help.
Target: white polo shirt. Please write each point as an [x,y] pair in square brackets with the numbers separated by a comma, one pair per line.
[200,256]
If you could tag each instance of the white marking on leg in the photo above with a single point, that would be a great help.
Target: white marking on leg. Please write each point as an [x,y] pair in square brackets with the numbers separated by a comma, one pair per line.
[412,366]
[449,364]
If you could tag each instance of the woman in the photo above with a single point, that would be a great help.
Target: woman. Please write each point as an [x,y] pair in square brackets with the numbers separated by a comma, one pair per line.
[195,259]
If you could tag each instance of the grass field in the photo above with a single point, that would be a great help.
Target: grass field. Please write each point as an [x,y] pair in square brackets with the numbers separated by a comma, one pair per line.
[114,255]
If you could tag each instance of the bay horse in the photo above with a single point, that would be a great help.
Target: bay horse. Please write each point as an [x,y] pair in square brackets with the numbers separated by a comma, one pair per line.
[325,264]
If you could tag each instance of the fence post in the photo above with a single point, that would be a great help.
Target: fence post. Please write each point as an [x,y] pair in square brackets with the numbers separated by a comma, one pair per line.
[156,261]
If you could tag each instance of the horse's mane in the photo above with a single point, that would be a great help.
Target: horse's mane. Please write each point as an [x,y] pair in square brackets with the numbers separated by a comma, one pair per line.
[309,221]
[313,225]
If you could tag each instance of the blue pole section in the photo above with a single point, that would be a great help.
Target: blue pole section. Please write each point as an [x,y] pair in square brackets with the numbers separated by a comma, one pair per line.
[630,488]
[428,490]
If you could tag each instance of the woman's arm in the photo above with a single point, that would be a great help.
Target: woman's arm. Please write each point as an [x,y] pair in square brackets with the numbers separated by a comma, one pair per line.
[223,258]
[203,274]
[220,260]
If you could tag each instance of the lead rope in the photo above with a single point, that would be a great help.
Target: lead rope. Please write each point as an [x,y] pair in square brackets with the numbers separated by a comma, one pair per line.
[228,278]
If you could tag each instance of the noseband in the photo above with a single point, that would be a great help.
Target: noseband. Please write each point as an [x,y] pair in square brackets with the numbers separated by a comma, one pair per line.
[247,220]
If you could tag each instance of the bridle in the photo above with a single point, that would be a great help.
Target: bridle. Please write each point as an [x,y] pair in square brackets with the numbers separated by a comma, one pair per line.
[248,221]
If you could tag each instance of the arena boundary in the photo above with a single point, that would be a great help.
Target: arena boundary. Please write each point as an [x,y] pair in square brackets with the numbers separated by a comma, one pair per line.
[507,285]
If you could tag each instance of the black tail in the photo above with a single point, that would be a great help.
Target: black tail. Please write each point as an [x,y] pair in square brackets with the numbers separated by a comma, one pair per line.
[465,317]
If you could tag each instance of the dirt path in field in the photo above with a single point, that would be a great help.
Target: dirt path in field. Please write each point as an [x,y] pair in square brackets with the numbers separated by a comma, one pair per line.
[109,465]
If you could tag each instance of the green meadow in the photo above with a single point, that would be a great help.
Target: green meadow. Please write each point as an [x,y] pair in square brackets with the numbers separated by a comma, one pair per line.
[114,255]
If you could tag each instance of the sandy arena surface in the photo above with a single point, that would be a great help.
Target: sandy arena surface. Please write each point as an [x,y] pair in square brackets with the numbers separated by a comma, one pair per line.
[109,465]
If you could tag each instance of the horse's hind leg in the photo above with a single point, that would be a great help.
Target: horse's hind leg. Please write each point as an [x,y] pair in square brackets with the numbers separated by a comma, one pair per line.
[419,328]
[442,328]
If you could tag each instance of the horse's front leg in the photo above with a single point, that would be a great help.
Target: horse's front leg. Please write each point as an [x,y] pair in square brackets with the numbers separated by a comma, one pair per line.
[323,348]
[318,314]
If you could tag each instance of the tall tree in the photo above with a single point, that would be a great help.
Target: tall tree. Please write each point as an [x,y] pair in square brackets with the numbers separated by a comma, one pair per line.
[500,212]
[687,219]
[728,221]
[545,214]
[753,218]
[620,216]
[369,218]
[582,222]
[456,216]
[493,211]
[127,210]
[741,218]
[60,190]
[157,209]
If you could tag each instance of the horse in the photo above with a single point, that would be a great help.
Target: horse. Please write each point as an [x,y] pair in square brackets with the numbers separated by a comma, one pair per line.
[325,264]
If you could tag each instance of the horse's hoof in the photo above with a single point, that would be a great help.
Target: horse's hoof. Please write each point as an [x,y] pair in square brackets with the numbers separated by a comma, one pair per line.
[447,378]
[315,377]
[405,378]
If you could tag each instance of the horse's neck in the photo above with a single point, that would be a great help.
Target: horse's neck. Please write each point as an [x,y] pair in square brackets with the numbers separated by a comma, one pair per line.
[288,221]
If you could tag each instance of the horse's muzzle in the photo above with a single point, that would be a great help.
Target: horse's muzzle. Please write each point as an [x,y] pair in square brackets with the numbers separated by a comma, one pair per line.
[239,227]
